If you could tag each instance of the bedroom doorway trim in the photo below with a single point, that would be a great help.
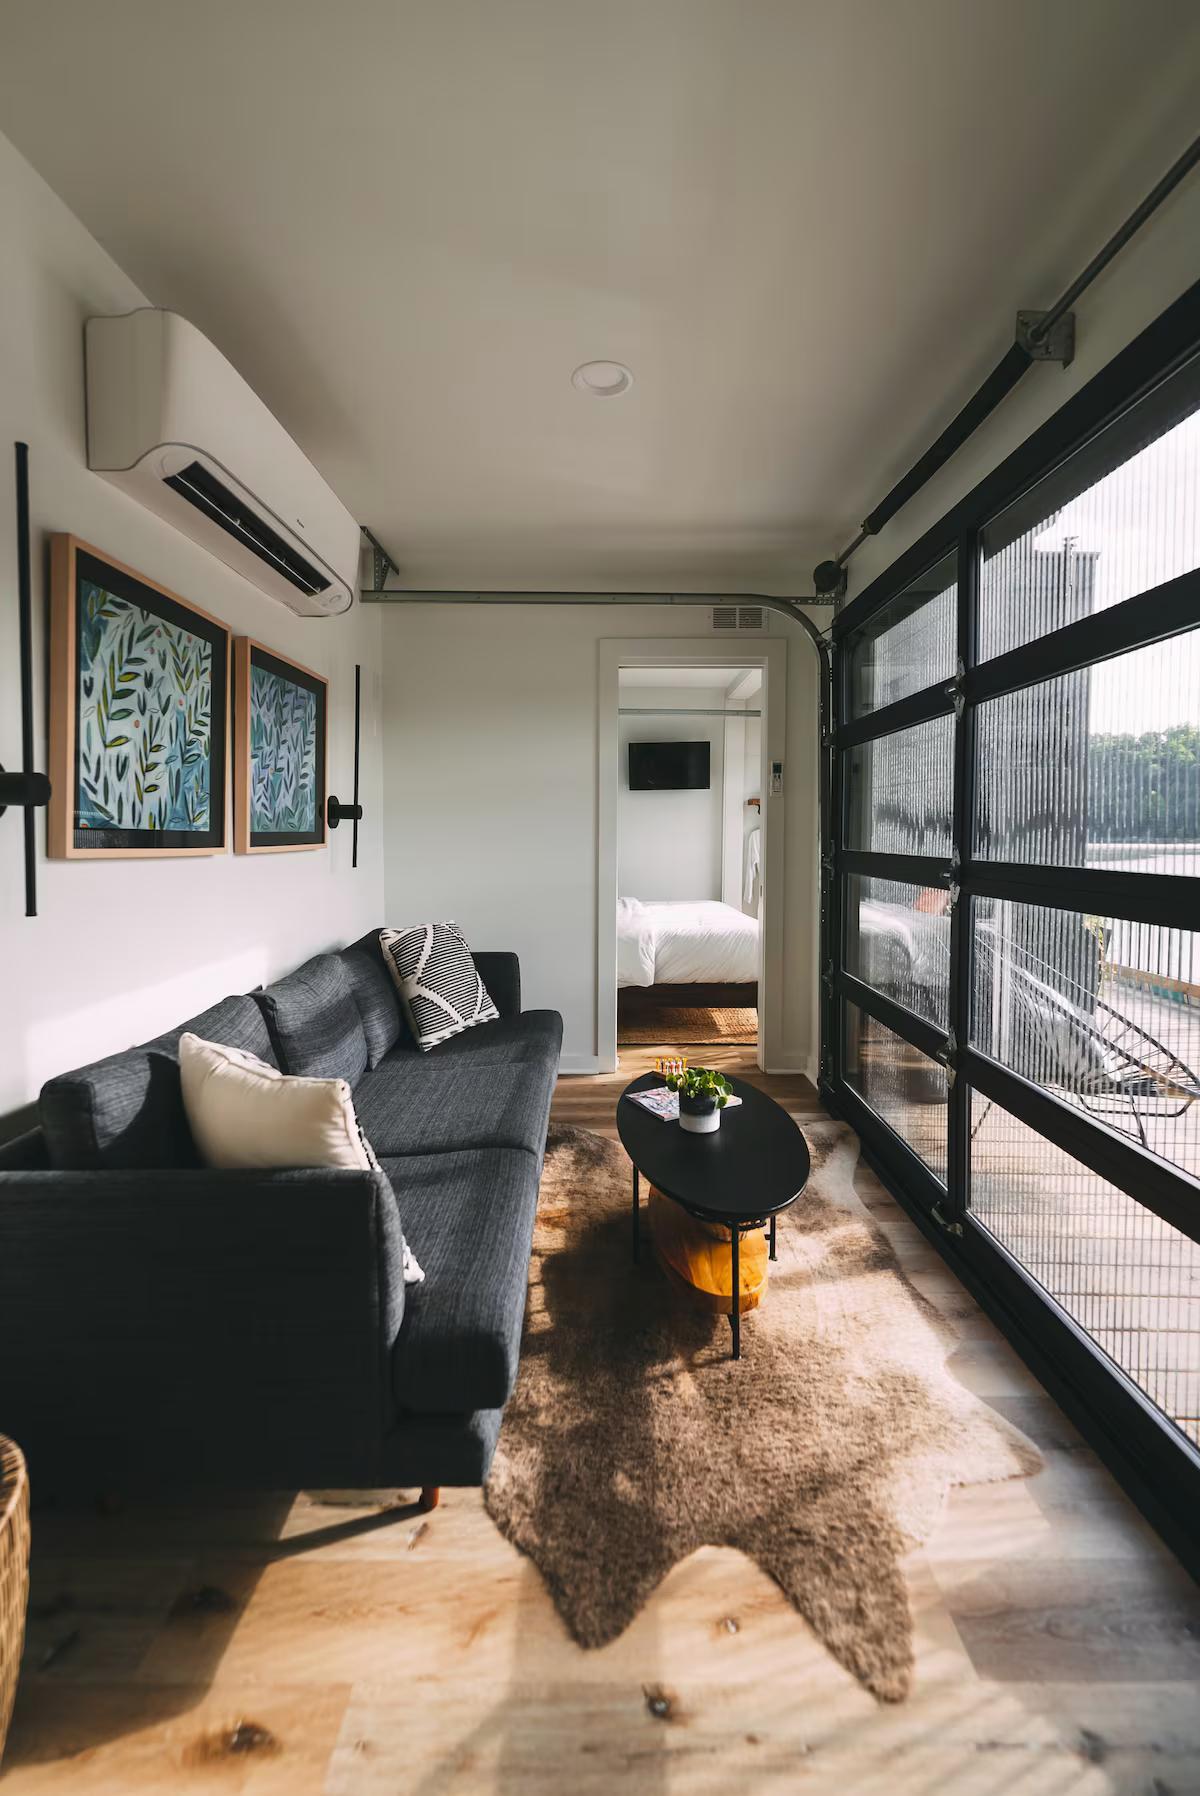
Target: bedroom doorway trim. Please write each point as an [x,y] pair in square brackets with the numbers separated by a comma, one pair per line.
[769,653]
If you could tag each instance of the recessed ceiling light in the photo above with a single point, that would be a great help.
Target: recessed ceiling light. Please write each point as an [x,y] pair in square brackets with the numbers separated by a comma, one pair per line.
[605,379]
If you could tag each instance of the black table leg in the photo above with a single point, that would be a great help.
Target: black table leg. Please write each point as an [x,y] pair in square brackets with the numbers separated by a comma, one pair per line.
[735,1294]
[636,1216]
[772,1237]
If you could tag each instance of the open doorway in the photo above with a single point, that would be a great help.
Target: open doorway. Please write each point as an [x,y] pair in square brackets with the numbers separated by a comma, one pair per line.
[689,855]
[748,678]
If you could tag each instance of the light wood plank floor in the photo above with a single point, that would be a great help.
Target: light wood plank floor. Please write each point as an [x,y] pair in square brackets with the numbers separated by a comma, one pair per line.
[257,1646]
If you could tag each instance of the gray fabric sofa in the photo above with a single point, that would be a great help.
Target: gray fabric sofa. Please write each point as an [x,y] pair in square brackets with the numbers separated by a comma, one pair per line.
[164,1322]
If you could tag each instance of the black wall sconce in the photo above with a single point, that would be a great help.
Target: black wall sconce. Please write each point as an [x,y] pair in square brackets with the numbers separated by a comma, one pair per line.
[26,790]
[335,811]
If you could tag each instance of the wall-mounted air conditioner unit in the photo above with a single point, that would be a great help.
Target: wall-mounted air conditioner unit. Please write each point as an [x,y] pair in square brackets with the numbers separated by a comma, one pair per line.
[174,423]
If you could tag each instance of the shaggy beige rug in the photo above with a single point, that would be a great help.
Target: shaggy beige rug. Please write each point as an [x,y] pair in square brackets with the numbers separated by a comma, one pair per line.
[823,1454]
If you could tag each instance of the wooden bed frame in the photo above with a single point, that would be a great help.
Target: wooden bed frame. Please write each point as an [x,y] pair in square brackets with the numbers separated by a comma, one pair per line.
[635,999]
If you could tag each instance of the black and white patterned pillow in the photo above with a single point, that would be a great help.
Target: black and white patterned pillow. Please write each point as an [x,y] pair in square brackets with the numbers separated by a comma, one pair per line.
[438,981]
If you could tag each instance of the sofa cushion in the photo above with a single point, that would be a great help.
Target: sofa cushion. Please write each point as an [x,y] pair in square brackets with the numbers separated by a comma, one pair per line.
[500,971]
[375,994]
[534,1035]
[25,1153]
[127,1110]
[468,1217]
[437,1109]
[315,1022]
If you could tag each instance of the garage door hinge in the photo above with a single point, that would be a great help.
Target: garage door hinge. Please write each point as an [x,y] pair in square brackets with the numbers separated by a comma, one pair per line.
[947,1055]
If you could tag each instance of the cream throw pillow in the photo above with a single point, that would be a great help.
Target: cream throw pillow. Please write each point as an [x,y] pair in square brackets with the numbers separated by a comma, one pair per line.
[244,1113]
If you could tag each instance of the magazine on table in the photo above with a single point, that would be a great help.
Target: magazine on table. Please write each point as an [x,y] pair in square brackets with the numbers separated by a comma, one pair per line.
[664,1103]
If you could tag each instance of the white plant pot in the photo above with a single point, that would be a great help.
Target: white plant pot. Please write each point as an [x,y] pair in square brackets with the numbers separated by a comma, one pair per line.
[704,1124]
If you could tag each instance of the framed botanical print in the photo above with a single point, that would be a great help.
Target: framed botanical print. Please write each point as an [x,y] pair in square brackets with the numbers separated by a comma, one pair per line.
[280,724]
[139,713]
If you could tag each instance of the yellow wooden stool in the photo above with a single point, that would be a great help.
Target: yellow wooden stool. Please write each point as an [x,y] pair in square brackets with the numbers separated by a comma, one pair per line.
[696,1256]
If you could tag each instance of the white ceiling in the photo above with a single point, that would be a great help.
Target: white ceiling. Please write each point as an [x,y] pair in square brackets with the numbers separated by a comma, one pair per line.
[804,224]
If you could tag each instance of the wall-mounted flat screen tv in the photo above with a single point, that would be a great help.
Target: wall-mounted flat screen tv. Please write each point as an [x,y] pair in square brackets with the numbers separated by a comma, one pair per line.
[668,766]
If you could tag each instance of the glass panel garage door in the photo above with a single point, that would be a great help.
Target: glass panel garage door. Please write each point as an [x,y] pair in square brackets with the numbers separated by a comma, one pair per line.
[1015,966]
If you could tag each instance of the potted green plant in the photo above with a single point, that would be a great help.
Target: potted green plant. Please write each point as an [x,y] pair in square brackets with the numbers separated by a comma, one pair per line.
[703,1094]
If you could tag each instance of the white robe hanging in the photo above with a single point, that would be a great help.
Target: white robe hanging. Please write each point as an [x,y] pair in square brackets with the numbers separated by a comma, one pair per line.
[753,859]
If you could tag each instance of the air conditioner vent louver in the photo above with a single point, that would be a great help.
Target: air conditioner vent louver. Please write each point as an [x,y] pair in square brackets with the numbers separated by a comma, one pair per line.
[209,495]
[739,617]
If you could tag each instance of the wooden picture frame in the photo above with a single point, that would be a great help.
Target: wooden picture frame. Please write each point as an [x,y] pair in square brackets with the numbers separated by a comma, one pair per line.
[280,752]
[139,714]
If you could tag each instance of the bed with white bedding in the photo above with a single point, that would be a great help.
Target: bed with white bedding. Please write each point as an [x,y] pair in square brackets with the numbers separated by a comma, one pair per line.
[687,942]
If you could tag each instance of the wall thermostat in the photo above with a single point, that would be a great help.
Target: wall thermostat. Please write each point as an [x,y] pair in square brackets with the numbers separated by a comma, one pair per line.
[776,779]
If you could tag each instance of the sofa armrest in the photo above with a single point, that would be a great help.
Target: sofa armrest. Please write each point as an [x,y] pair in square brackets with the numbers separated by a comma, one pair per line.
[215,1325]
[501,973]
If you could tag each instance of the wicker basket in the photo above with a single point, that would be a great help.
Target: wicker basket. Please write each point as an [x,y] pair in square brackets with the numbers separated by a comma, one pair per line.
[14,1573]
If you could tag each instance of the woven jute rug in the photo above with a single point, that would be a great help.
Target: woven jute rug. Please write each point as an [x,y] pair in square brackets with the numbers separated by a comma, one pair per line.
[688,1028]
[824,1453]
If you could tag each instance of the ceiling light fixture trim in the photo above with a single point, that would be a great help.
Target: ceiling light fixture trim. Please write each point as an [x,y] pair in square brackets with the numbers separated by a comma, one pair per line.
[603,380]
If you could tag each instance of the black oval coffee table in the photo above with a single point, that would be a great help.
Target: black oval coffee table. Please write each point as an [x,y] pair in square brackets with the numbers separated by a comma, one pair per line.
[740,1176]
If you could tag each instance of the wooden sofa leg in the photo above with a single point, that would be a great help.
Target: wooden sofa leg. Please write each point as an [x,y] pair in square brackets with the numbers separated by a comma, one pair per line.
[431,1496]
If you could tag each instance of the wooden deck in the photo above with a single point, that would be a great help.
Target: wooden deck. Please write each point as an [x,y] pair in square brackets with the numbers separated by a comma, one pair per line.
[272,1645]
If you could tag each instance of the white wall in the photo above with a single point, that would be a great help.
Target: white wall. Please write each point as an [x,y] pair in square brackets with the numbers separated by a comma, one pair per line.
[124,949]
[490,723]
[669,843]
